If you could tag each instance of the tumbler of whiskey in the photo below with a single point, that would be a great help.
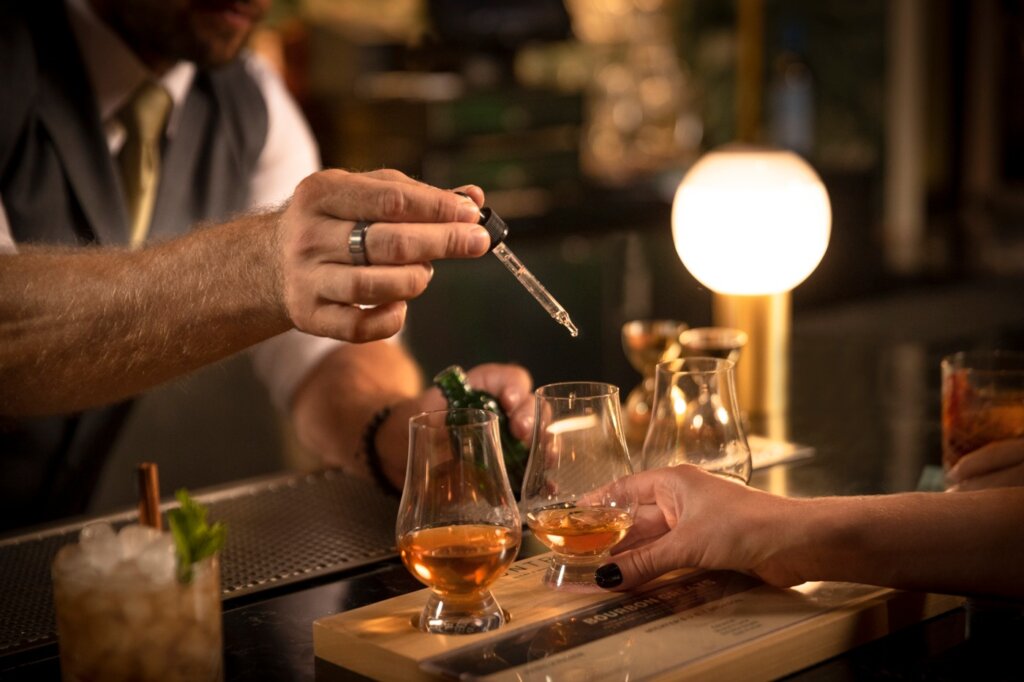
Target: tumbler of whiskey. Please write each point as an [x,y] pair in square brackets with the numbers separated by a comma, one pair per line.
[982,401]
[458,526]
[578,449]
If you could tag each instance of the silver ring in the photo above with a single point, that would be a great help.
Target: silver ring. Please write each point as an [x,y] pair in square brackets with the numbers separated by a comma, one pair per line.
[357,243]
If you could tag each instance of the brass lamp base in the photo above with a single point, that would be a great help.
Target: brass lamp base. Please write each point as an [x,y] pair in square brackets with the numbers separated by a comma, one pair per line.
[762,373]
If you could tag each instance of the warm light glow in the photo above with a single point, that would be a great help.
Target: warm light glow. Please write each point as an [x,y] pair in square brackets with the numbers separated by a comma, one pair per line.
[581,423]
[751,221]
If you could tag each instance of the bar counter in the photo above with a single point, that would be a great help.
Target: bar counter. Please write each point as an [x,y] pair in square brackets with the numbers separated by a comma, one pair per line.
[864,394]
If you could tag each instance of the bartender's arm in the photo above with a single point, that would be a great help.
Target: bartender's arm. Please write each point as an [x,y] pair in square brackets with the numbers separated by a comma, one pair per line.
[163,311]
[340,396]
[962,543]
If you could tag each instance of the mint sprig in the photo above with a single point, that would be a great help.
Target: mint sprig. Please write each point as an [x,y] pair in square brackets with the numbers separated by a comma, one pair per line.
[194,538]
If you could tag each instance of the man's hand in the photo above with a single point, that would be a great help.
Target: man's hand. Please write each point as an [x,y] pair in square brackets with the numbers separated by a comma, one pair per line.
[996,465]
[511,384]
[412,224]
[339,396]
[167,309]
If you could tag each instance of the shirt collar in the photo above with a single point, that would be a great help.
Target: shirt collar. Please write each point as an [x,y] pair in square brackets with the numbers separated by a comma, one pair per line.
[114,70]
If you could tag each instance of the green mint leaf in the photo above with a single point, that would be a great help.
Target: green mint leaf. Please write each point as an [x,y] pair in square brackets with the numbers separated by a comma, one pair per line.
[194,538]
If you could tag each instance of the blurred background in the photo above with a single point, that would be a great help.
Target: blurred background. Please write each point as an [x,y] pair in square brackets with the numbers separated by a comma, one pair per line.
[580,117]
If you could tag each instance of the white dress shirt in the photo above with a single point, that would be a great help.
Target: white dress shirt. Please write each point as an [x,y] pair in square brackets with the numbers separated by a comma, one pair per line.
[289,154]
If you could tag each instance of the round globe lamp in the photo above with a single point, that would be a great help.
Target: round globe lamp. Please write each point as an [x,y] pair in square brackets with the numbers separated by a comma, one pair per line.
[751,224]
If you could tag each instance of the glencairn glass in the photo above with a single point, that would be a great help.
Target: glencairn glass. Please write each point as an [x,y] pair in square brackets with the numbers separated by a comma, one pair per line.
[458,526]
[696,420]
[578,449]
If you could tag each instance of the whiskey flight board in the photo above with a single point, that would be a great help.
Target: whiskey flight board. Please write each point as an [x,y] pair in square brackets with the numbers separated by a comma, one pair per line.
[686,625]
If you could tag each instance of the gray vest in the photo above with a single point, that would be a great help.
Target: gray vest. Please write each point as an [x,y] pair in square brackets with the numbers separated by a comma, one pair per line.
[59,186]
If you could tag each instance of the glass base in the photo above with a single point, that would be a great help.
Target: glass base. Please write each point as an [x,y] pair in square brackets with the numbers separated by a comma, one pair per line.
[573,575]
[461,615]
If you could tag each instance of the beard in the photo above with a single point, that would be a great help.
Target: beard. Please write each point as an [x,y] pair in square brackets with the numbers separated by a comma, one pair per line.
[208,32]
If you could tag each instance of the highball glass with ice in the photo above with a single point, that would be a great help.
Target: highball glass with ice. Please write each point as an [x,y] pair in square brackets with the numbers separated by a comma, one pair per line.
[122,613]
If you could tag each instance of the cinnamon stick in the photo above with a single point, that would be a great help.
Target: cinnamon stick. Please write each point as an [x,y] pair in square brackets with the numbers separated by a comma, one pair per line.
[149,495]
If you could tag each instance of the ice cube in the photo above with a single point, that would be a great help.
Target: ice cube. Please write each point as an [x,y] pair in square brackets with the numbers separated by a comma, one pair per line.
[100,547]
[102,557]
[71,562]
[96,532]
[134,539]
[157,559]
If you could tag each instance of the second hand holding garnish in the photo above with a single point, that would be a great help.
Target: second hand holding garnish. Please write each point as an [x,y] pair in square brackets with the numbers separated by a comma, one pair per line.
[498,230]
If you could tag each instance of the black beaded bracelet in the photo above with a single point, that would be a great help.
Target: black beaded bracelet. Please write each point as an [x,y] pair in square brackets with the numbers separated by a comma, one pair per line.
[372,456]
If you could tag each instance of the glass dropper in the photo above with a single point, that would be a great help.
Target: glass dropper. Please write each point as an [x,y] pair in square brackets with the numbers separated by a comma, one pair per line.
[498,230]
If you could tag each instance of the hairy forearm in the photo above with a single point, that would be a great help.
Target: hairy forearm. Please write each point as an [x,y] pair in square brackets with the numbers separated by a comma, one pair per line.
[962,543]
[332,406]
[83,327]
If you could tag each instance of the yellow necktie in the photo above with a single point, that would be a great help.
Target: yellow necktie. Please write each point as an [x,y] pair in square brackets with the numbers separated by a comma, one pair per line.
[144,117]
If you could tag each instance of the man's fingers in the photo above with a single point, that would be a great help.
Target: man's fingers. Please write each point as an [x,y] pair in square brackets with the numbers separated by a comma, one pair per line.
[362,196]
[521,420]
[512,385]
[357,325]
[400,243]
[395,243]
[475,193]
[372,285]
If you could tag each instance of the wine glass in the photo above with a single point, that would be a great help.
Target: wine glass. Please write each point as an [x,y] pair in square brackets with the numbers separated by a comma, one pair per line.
[578,449]
[696,419]
[646,343]
[458,526]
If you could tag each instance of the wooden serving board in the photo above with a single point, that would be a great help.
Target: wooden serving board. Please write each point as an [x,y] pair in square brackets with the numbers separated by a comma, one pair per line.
[686,625]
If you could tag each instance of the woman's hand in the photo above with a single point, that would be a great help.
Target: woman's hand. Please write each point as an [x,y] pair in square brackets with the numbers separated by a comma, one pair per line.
[689,518]
[999,464]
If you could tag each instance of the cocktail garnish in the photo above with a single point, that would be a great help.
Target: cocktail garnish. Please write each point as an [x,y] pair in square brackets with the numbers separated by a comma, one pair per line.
[194,538]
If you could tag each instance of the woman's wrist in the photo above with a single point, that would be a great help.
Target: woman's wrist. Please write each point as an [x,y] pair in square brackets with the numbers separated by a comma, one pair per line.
[826,538]
[789,536]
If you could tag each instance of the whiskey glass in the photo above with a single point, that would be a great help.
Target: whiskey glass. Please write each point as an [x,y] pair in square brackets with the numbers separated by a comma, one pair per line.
[646,343]
[578,449]
[696,419]
[982,401]
[712,342]
[458,527]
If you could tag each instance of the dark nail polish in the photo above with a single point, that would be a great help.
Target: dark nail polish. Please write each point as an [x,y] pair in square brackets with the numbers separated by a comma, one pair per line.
[608,575]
